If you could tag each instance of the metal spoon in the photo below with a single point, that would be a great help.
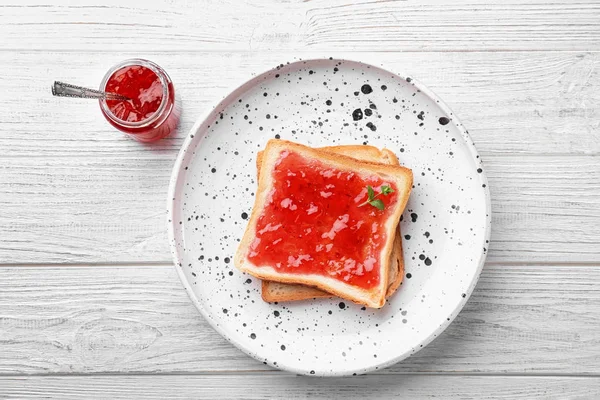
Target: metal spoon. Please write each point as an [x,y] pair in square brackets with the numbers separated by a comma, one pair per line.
[67,90]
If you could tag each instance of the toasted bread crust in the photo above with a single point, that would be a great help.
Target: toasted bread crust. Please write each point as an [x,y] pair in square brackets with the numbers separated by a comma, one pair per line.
[402,177]
[359,152]
[396,281]
[277,291]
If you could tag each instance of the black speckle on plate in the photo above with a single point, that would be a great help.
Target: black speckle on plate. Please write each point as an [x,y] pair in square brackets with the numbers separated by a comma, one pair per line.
[357,114]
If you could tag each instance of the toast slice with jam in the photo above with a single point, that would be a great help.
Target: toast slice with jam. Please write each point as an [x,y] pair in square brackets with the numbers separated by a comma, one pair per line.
[281,292]
[325,220]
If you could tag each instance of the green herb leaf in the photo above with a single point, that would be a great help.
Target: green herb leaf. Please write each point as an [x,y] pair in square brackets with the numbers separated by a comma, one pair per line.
[377,203]
[371,193]
[372,197]
[386,190]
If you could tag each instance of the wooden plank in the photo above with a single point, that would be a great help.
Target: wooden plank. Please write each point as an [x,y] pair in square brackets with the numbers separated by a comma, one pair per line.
[283,386]
[92,319]
[536,103]
[112,209]
[92,209]
[184,25]
[544,208]
[117,319]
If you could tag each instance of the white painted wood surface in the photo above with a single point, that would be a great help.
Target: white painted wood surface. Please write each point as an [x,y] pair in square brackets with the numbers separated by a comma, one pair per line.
[89,303]
[277,386]
[112,319]
[535,118]
[304,25]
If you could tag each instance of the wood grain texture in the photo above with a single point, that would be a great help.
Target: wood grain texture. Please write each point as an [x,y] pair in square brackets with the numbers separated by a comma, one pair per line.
[112,209]
[92,319]
[93,209]
[283,386]
[185,25]
[525,103]
[90,195]
[523,77]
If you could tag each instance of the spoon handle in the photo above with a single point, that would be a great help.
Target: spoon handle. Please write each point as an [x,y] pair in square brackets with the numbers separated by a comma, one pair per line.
[67,90]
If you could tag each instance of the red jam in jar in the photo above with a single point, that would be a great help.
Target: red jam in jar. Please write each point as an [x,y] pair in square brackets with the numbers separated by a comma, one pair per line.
[149,114]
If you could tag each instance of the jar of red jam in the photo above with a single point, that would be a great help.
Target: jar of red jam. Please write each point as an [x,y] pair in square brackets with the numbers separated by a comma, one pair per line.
[150,112]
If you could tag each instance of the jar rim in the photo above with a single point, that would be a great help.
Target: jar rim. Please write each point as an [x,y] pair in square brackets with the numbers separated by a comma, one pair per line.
[162,75]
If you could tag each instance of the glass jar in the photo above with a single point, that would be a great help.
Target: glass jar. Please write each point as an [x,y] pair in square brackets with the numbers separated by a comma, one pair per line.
[150,113]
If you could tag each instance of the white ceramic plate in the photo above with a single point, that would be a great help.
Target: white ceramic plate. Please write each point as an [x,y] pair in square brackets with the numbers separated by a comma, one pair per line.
[446,225]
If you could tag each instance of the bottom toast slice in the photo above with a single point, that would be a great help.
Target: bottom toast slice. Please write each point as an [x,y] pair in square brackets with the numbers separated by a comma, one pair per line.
[278,291]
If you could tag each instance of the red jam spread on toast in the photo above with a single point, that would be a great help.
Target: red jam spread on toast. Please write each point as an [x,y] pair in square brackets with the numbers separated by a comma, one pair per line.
[312,222]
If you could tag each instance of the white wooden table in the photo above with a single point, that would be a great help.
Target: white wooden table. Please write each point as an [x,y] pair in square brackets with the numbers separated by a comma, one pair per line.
[90,305]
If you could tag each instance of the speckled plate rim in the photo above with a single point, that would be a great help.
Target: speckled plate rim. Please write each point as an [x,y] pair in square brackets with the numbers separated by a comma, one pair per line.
[177,175]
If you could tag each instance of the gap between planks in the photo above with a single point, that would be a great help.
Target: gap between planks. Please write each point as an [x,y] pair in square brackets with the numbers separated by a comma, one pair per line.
[309,51]
[280,373]
[173,155]
[168,264]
